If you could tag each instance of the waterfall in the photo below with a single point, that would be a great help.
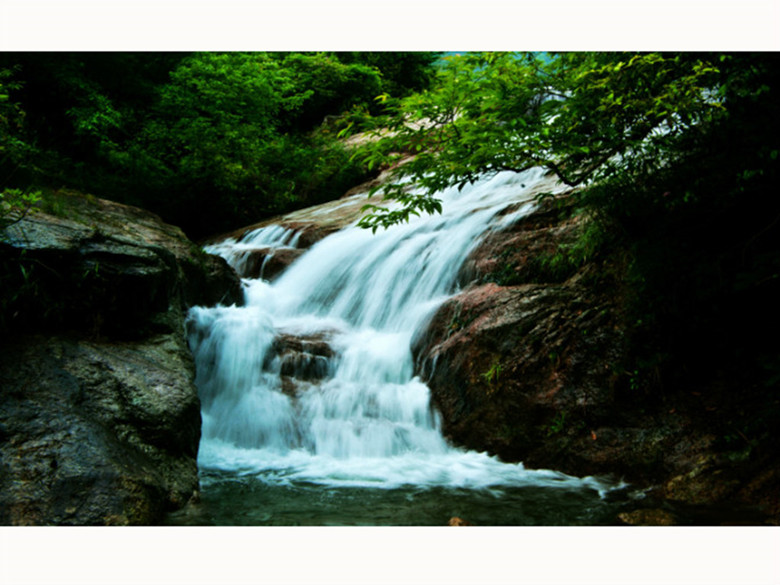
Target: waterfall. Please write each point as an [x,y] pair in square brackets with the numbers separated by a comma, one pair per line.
[312,380]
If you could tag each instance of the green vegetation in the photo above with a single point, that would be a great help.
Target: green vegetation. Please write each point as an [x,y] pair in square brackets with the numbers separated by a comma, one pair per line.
[210,141]
[675,160]
[601,118]
[493,374]
[557,424]
[16,204]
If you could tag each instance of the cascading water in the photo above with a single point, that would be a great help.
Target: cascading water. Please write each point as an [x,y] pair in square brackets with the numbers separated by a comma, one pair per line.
[311,383]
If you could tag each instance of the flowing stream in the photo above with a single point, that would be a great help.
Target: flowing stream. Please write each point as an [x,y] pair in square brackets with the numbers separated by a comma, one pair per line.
[312,413]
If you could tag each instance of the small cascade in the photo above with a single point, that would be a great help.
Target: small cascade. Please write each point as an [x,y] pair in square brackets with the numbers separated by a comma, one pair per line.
[312,380]
[252,254]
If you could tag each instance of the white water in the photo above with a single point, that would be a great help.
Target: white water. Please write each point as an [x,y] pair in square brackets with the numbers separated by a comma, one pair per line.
[237,253]
[368,421]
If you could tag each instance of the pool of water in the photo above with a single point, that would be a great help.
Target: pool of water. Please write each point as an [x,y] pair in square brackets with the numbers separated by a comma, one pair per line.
[231,500]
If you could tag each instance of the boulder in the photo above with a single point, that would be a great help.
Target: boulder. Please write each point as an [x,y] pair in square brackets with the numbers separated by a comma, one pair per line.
[96,433]
[512,367]
[99,414]
[524,355]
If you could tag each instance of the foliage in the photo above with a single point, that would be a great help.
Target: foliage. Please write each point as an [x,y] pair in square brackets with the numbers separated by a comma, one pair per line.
[14,148]
[224,129]
[557,424]
[403,73]
[591,239]
[11,115]
[330,86]
[210,141]
[15,204]
[590,118]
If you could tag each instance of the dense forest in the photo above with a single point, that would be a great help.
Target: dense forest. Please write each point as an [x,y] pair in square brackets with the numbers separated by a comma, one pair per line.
[208,141]
[675,157]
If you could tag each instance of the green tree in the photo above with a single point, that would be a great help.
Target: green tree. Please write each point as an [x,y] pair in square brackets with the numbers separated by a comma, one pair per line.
[330,86]
[82,111]
[231,141]
[403,73]
[11,116]
[15,147]
[208,140]
[15,203]
[590,118]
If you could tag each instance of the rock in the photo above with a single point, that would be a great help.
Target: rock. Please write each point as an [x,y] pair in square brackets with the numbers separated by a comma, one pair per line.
[315,223]
[702,483]
[648,517]
[265,262]
[301,358]
[513,368]
[99,414]
[515,256]
[106,268]
[96,433]
[524,362]
[528,363]
[455,521]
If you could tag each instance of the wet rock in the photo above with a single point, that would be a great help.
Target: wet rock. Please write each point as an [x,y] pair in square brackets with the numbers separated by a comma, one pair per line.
[315,223]
[301,358]
[704,483]
[106,269]
[96,433]
[517,255]
[99,414]
[266,262]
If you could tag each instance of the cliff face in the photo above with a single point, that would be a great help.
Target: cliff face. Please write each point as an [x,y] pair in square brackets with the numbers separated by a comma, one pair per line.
[100,418]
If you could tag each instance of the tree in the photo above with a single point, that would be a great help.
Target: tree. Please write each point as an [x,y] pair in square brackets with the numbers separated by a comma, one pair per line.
[590,118]
[14,203]
[208,140]
[403,73]
[233,133]
[15,148]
